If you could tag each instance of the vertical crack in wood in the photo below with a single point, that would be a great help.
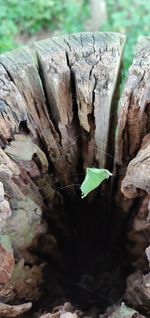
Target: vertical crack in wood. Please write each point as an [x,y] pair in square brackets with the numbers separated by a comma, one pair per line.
[87,58]
[60,111]
[41,75]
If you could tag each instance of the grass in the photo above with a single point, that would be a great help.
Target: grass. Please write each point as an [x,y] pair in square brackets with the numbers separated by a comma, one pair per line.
[28,17]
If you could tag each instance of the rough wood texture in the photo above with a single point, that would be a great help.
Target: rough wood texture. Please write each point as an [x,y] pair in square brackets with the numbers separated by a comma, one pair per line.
[134,117]
[137,178]
[14,311]
[79,73]
[58,109]
[22,87]
[55,115]
[133,169]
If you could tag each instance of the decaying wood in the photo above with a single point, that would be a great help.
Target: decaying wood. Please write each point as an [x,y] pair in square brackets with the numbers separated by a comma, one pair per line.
[134,117]
[138,292]
[58,109]
[133,158]
[121,311]
[20,73]
[137,178]
[63,311]
[6,260]
[5,211]
[25,283]
[80,74]
[55,111]
[14,311]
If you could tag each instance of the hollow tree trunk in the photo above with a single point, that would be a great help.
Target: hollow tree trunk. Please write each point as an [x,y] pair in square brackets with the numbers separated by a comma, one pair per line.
[58,115]
[133,166]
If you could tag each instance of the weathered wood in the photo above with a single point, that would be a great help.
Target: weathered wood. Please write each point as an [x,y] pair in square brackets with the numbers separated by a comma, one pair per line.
[118,311]
[14,311]
[10,99]
[134,117]
[58,110]
[137,178]
[133,169]
[21,74]
[55,112]
[80,72]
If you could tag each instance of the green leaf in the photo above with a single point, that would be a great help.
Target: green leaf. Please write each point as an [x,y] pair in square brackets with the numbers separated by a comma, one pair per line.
[94,177]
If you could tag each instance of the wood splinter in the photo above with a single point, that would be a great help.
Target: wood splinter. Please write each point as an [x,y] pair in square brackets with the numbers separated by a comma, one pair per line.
[14,311]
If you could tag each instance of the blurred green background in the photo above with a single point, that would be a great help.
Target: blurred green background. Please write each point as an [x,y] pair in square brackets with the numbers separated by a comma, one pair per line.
[24,21]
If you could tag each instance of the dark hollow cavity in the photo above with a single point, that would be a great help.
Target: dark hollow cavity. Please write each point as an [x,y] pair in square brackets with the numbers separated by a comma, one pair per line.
[90,264]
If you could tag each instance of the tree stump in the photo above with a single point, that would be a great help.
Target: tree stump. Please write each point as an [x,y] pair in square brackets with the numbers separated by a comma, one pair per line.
[58,115]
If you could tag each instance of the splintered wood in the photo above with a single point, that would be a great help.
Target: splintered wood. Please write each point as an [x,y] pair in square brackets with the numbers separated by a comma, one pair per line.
[14,311]
[133,143]
[79,74]
[133,170]
[134,117]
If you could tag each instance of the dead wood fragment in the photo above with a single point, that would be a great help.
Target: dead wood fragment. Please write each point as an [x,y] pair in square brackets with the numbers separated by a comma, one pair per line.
[137,178]
[134,120]
[14,311]
[137,292]
[148,254]
[63,311]
[63,315]
[134,117]
[6,260]
[121,311]
[25,283]
[138,235]
[5,210]
[23,149]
